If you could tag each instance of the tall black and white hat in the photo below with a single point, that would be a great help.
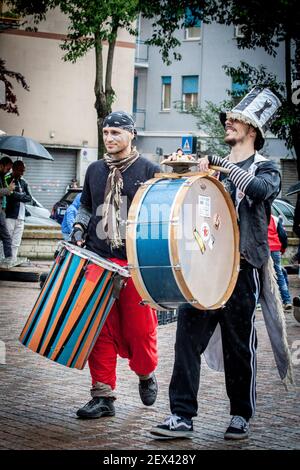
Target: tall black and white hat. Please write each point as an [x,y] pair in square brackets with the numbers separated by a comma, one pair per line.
[258,108]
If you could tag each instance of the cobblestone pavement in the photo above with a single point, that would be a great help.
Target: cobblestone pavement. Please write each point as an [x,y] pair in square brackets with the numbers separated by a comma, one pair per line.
[39,398]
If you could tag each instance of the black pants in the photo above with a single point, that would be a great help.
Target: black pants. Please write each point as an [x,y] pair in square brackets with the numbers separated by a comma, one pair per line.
[195,328]
[4,236]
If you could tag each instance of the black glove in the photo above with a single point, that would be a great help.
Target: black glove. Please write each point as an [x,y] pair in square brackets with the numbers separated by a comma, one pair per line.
[77,236]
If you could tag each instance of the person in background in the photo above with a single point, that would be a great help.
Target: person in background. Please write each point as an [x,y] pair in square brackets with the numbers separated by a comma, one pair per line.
[72,185]
[5,166]
[15,208]
[69,217]
[277,239]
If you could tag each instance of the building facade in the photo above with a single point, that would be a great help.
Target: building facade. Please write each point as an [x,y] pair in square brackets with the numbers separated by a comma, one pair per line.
[197,78]
[58,111]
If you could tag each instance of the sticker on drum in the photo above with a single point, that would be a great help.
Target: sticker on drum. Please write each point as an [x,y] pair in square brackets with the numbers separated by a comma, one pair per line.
[211,241]
[199,240]
[205,231]
[217,221]
[204,203]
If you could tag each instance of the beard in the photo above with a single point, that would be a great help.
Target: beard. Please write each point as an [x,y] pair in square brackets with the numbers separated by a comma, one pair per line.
[231,141]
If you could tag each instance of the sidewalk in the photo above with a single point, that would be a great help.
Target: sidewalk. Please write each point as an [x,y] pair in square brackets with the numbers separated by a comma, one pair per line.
[39,398]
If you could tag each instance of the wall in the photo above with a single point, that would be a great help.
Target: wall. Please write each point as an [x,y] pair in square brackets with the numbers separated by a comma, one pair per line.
[61,98]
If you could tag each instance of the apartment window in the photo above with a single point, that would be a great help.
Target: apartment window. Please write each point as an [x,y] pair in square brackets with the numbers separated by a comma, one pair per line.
[166,94]
[190,91]
[192,26]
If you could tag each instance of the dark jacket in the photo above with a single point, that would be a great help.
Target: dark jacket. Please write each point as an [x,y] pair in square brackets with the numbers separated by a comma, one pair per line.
[20,194]
[255,216]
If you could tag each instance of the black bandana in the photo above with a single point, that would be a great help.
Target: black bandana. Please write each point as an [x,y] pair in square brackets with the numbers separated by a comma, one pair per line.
[120,119]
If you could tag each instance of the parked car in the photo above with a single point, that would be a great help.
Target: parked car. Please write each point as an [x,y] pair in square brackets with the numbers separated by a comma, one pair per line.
[38,215]
[60,207]
[285,210]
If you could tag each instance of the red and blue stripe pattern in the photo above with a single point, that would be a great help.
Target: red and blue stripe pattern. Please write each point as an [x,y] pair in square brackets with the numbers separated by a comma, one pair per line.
[70,310]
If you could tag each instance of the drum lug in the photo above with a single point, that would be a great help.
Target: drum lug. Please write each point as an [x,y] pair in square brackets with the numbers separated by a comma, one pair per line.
[177,267]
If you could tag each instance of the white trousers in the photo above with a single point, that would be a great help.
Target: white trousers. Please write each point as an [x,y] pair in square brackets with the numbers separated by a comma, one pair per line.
[15,228]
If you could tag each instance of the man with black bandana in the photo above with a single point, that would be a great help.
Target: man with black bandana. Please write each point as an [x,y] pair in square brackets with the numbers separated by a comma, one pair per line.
[130,329]
[253,183]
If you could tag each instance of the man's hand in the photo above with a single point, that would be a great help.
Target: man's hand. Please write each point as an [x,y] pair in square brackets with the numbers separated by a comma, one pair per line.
[203,164]
[77,235]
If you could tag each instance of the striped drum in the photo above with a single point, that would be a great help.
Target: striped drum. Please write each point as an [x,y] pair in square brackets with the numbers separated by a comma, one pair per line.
[72,306]
[182,242]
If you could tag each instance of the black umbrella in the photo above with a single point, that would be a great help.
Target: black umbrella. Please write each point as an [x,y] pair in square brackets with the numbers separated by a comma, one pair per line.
[19,146]
[295,188]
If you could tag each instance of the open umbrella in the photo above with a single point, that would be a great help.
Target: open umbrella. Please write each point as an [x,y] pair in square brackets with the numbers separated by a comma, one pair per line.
[295,188]
[19,146]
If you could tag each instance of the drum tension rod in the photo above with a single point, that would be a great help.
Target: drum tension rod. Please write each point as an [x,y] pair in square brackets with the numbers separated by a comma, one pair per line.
[177,267]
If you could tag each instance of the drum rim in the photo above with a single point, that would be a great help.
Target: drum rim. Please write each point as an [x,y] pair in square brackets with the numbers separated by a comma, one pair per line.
[173,246]
[96,259]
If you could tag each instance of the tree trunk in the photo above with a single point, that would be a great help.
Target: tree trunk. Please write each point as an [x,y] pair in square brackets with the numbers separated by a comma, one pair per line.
[104,95]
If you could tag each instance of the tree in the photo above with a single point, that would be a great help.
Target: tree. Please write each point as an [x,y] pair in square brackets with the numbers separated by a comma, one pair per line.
[10,101]
[265,24]
[91,23]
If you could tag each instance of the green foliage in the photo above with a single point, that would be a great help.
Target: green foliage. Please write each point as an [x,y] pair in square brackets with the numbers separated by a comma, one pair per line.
[207,119]
[6,75]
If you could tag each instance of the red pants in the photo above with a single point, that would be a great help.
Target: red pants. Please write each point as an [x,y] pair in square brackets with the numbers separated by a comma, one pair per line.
[130,331]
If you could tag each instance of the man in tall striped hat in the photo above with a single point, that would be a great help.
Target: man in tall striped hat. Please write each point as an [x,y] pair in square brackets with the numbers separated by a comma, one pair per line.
[130,329]
[253,182]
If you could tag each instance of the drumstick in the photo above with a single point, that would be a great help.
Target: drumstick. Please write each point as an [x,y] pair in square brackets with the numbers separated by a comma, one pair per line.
[219,168]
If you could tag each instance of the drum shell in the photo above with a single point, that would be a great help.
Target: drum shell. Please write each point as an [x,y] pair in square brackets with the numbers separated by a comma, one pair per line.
[70,310]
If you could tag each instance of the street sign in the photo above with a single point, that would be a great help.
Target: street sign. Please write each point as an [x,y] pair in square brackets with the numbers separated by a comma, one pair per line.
[188,144]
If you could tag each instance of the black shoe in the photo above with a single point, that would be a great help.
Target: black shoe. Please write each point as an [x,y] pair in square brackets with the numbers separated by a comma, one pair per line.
[296,301]
[237,429]
[174,427]
[148,390]
[97,407]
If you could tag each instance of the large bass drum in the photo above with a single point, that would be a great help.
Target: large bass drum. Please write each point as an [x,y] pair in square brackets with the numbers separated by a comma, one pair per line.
[183,242]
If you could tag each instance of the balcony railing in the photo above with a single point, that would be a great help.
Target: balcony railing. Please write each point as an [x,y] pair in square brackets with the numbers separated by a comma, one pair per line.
[141,53]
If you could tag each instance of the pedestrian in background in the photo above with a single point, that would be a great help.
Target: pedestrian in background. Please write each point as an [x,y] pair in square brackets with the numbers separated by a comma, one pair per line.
[69,217]
[278,241]
[15,208]
[5,167]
